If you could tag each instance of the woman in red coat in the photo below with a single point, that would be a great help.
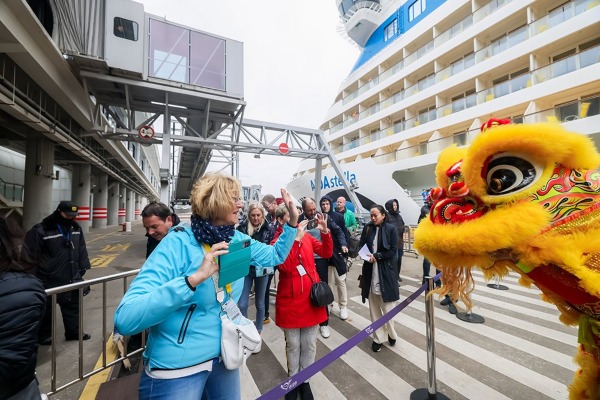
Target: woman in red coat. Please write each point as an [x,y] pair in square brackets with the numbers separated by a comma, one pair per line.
[295,313]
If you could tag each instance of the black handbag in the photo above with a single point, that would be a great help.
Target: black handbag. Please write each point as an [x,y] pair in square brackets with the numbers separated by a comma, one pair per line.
[320,293]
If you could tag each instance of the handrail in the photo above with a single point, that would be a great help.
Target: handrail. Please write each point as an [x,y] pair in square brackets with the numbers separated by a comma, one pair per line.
[79,286]
[571,9]
[553,70]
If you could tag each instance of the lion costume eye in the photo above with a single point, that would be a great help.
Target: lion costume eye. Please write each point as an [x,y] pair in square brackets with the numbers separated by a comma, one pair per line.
[507,173]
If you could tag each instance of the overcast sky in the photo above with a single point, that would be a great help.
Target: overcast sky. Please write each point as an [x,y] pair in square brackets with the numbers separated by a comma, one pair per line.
[294,63]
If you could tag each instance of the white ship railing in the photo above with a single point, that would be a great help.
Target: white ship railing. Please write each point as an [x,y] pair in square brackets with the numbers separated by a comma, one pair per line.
[554,18]
[556,69]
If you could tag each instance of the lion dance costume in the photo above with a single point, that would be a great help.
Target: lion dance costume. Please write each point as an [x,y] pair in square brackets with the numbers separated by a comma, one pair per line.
[524,198]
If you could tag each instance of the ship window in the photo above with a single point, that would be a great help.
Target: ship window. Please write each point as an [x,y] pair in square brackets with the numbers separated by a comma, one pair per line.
[390,30]
[416,8]
[460,139]
[125,29]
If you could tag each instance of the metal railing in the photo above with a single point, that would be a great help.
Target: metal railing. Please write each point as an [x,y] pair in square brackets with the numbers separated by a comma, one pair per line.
[80,286]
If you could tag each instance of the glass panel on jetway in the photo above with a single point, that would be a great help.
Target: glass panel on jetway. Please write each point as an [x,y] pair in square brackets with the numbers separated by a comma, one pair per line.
[178,54]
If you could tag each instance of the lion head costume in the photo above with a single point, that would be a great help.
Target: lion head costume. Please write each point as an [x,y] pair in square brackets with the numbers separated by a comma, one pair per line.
[524,198]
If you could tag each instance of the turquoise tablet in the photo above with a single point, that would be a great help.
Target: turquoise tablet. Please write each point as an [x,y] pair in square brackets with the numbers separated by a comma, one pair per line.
[235,264]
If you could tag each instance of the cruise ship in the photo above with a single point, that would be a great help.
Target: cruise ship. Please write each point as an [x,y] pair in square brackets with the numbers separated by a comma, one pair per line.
[430,72]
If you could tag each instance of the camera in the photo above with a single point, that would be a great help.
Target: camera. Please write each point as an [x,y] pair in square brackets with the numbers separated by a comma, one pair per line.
[312,224]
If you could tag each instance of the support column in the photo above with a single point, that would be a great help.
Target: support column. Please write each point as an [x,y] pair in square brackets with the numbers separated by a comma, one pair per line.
[113,204]
[122,200]
[138,211]
[80,187]
[129,205]
[164,173]
[100,202]
[39,170]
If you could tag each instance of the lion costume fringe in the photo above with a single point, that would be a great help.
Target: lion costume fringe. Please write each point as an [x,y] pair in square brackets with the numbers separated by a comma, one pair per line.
[524,198]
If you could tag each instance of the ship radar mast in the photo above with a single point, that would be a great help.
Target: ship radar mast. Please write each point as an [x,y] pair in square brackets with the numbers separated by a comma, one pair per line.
[360,18]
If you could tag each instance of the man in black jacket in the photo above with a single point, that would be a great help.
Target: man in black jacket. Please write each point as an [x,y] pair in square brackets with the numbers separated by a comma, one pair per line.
[58,248]
[157,218]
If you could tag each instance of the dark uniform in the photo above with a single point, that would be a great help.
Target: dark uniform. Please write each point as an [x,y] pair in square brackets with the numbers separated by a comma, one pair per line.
[58,247]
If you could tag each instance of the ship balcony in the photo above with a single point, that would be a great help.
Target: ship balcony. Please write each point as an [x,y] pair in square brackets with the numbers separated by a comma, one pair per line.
[570,10]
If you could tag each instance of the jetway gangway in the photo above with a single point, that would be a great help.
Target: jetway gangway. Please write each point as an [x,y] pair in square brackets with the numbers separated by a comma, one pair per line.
[69,102]
[245,136]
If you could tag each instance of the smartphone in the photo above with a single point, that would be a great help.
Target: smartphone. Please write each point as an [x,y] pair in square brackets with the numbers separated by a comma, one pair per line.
[312,224]
[235,264]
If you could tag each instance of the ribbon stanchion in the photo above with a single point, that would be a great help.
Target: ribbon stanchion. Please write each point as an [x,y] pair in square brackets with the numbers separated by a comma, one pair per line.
[289,384]
[497,285]
[430,392]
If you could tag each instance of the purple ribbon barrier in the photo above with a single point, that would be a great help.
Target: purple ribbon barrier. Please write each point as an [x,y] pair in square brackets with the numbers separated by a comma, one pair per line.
[289,384]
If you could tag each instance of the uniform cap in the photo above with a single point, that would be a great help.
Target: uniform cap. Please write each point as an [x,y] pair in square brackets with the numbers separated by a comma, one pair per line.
[69,208]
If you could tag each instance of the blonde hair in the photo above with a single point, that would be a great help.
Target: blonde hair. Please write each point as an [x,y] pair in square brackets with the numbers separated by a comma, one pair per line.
[251,207]
[254,205]
[212,194]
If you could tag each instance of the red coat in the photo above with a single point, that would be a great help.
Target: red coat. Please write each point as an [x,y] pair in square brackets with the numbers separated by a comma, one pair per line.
[292,306]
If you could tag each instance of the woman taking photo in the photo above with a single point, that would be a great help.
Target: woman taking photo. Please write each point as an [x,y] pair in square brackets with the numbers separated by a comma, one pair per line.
[379,277]
[176,298]
[258,229]
[295,313]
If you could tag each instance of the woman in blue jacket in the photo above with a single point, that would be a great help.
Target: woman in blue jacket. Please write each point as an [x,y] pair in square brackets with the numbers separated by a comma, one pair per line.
[175,297]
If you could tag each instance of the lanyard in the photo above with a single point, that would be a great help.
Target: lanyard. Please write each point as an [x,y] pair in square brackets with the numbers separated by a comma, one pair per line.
[67,236]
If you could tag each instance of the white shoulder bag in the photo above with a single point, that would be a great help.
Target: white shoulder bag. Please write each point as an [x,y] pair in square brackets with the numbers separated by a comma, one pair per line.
[239,335]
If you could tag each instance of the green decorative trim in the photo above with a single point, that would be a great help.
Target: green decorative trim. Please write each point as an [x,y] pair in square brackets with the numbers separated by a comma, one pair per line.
[525,268]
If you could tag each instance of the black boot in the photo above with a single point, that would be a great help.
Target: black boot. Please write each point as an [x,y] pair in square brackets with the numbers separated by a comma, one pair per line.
[452,308]
[305,392]
[292,395]
[446,301]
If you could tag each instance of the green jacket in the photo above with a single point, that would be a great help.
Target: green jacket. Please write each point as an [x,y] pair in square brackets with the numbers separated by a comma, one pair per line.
[350,220]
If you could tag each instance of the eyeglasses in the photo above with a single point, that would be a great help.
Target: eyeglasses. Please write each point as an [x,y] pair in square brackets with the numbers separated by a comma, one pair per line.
[268,205]
[237,200]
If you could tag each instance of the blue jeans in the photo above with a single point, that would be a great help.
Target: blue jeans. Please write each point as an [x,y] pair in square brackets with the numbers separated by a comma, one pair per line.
[260,287]
[219,384]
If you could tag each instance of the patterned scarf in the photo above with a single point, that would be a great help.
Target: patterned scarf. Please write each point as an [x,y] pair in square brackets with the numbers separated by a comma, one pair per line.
[205,232]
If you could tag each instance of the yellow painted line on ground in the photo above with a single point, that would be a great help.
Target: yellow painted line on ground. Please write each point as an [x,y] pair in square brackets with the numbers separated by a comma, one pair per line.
[116,247]
[102,260]
[93,384]
[100,237]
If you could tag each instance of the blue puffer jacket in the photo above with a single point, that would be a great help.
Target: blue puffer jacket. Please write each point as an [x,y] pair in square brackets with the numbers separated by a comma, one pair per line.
[185,327]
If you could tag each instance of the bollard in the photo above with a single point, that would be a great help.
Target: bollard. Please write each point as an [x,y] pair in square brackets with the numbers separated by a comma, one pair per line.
[430,393]
[128,226]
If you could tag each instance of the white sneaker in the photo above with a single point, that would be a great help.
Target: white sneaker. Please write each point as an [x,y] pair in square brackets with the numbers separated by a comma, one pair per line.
[325,331]
[343,313]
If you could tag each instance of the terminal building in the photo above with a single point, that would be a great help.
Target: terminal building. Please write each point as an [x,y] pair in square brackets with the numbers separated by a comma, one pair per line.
[87,88]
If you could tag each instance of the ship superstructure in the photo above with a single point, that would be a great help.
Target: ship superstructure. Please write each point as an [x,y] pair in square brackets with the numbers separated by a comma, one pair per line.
[431,72]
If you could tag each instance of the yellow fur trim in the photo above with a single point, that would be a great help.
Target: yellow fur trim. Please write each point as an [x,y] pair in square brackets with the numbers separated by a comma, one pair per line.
[467,244]
[586,382]
[447,158]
